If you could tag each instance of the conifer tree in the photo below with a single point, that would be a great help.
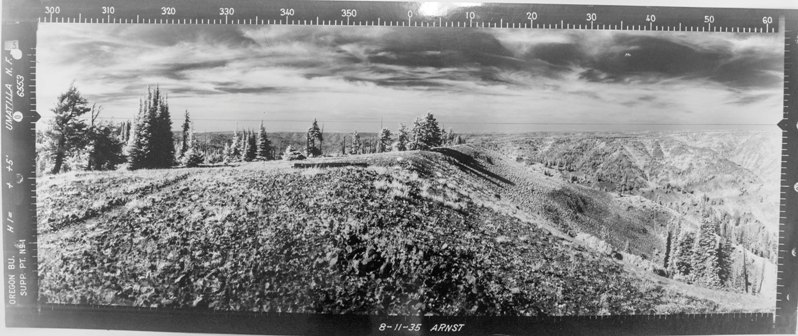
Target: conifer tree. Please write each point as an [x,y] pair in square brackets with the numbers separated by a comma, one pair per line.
[357,145]
[417,135]
[104,146]
[426,133]
[314,140]
[67,132]
[432,132]
[245,146]
[682,263]
[403,139]
[243,142]
[668,248]
[706,262]
[128,128]
[152,143]
[743,278]
[192,157]
[725,253]
[184,137]
[384,141]
[124,131]
[226,153]
[252,147]
[264,145]
[235,148]
[138,151]
[163,149]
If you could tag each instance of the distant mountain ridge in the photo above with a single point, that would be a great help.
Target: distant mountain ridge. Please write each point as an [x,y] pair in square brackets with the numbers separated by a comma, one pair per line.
[730,177]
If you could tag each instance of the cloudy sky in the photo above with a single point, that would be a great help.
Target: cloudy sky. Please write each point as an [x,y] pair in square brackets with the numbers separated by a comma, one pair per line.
[353,78]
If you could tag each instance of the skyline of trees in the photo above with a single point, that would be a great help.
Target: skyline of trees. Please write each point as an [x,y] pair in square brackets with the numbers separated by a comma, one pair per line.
[148,141]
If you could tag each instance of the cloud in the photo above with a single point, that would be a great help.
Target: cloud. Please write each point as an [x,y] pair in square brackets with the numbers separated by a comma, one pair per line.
[533,75]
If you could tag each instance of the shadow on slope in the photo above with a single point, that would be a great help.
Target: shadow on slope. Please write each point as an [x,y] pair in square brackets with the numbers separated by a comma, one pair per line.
[469,164]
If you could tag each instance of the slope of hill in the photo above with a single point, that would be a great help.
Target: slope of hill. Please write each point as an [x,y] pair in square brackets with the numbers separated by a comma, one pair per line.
[457,231]
[729,177]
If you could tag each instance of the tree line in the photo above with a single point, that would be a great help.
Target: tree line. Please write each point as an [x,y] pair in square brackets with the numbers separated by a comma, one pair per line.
[706,258]
[147,142]
[70,136]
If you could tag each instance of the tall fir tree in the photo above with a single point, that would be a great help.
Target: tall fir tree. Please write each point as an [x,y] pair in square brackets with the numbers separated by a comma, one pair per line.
[245,146]
[138,149]
[682,262]
[264,145]
[314,140]
[403,138]
[67,132]
[743,276]
[235,148]
[104,145]
[668,247]
[384,141]
[252,147]
[163,148]
[357,145]
[124,131]
[152,143]
[184,137]
[417,135]
[226,152]
[128,128]
[192,157]
[432,131]
[706,262]
[725,253]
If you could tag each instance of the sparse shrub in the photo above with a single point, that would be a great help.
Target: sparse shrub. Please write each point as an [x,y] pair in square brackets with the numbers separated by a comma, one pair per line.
[192,158]
[292,154]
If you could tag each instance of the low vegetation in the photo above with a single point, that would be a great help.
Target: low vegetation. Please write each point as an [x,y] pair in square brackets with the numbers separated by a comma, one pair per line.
[413,233]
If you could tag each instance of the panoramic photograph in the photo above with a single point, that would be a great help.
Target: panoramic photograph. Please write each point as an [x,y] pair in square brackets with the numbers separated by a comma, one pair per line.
[399,171]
